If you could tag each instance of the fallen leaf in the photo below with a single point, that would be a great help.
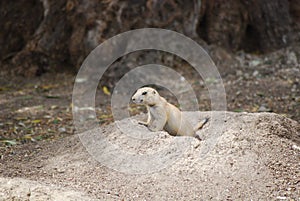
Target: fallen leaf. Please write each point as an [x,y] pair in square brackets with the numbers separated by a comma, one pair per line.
[48,87]
[261,94]
[36,121]
[238,110]
[20,118]
[106,90]
[3,89]
[81,80]
[9,142]
[22,124]
[255,108]
[31,110]
[26,97]
[53,107]
[28,137]
[39,137]
[52,96]
[56,121]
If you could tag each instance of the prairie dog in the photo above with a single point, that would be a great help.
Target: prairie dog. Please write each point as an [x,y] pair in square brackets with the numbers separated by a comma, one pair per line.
[163,115]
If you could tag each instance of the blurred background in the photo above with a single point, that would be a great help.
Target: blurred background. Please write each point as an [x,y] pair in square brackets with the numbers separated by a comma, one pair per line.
[254,43]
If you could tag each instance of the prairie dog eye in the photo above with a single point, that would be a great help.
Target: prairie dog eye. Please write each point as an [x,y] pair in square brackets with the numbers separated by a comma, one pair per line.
[144,93]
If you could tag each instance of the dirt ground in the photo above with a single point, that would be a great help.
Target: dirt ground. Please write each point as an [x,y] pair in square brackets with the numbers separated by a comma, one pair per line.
[36,127]
[256,157]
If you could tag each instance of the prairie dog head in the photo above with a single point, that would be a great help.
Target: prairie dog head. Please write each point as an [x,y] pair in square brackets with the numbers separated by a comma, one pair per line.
[146,96]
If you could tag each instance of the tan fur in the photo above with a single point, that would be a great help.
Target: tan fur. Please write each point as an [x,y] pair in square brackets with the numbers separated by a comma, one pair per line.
[163,115]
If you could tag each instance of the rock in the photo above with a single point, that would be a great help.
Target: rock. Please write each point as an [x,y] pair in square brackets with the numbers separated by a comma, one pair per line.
[255,73]
[281,197]
[263,108]
[292,58]
[295,147]
[254,63]
[62,129]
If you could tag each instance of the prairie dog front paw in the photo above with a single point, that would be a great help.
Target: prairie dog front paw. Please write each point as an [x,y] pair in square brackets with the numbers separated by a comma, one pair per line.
[153,128]
[143,123]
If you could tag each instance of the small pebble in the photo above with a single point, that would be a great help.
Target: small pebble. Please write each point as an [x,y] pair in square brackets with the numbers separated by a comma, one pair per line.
[281,197]
[62,130]
[295,147]
[255,73]
[254,63]
[263,108]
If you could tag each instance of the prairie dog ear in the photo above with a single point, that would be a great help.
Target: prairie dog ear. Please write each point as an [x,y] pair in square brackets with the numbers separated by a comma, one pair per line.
[154,92]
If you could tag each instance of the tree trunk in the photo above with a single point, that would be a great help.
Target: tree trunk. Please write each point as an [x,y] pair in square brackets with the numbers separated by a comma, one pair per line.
[252,25]
[38,35]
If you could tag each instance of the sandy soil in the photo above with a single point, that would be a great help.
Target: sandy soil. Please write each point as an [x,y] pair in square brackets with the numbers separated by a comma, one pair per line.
[256,157]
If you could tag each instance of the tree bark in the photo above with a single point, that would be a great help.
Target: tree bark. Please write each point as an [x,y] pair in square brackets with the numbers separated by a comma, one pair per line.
[38,35]
[252,25]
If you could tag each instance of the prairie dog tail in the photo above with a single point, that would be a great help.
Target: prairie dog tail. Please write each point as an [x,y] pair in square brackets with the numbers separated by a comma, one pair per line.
[201,124]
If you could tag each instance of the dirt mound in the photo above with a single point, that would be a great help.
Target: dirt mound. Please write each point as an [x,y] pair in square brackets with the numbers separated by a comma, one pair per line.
[256,156]
[24,189]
